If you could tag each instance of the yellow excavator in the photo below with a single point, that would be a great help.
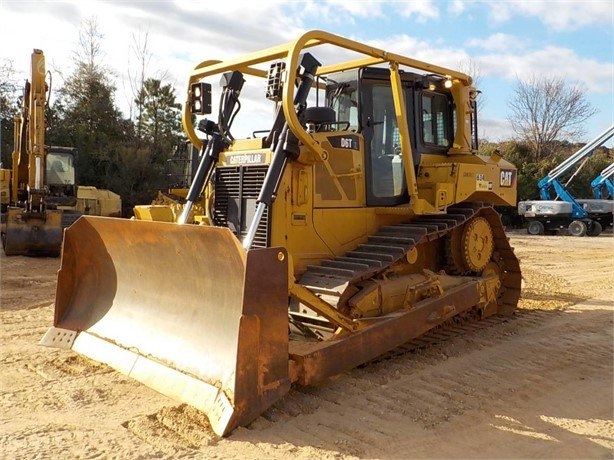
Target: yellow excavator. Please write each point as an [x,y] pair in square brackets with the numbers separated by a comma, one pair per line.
[363,218]
[40,196]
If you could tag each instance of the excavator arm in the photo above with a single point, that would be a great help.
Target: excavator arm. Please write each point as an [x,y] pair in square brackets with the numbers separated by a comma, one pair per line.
[32,227]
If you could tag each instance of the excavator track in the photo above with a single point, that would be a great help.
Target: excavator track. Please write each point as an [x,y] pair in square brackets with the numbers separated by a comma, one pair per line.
[335,279]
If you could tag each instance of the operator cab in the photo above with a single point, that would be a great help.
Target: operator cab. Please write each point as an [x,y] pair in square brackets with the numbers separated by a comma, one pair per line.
[363,99]
[60,177]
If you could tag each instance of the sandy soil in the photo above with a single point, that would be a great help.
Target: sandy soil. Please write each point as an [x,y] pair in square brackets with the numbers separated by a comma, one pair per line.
[539,385]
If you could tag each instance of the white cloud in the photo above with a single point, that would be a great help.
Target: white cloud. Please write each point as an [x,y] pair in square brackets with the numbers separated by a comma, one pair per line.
[556,14]
[422,50]
[422,10]
[496,42]
[332,12]
[551,61]
[494,129]
[341,9]
[347,12]
[457,7]
[559,14]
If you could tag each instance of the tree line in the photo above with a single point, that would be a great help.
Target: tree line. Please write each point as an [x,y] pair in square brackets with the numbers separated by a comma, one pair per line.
[128,155]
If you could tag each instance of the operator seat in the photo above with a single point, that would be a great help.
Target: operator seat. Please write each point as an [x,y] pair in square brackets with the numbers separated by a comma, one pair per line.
[319,119]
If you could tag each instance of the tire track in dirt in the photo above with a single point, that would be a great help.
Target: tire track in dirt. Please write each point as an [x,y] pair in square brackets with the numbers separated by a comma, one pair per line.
[486,376]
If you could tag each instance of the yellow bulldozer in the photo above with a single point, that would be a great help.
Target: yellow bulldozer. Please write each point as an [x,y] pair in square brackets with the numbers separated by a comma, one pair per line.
[363,218]
[167,205]
[39,194]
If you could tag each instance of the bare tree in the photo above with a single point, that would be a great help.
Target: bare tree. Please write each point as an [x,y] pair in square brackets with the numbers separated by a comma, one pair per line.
[9,88]
[547,109]
[89,47]
[472,68]
[9,93]
[139,75]
[140,49]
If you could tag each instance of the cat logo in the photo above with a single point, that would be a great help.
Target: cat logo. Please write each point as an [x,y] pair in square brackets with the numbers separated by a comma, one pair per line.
[246,159]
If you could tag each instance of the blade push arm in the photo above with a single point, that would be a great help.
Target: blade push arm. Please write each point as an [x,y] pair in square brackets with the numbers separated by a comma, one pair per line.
[219,140]
[285,149]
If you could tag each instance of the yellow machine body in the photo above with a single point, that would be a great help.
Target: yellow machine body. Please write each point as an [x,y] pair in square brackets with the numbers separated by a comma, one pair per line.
[307,259]
[41,196]
[5,187]
[98,202]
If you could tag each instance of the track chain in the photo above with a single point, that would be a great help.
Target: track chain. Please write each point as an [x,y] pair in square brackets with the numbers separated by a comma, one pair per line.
[333,278]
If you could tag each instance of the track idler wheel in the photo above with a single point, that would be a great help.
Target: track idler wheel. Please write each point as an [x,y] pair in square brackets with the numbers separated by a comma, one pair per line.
[471,246]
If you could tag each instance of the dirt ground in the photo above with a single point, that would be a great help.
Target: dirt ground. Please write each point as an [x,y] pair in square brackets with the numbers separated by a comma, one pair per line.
[537,386]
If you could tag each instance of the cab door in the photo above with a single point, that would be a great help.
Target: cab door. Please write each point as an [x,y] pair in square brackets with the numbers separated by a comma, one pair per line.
[385,177]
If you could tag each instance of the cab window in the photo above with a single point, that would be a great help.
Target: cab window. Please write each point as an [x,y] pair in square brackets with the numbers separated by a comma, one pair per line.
[387,177]
[345,104]
[436,120]
[60,169]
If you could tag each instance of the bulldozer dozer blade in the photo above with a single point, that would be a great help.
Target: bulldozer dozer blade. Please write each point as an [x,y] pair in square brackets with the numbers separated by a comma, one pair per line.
[29,234]
[182,308]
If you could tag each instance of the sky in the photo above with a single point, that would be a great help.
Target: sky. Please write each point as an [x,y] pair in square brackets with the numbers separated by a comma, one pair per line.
[503,41]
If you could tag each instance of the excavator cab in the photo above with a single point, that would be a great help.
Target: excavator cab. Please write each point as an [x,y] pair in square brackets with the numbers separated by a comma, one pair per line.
[60,177]
[359,220]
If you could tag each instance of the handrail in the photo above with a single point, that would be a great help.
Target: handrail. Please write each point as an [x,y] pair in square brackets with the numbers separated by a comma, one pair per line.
[290,51]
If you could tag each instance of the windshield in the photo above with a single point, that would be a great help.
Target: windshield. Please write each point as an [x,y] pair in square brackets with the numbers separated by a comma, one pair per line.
[60,169]
[436,122]
[344,101]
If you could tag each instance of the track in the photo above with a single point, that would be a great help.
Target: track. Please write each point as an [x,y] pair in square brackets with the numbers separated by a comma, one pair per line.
[333,279]
[447,331]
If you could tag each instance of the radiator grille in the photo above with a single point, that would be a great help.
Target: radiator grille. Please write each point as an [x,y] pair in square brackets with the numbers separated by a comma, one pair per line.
[236,191]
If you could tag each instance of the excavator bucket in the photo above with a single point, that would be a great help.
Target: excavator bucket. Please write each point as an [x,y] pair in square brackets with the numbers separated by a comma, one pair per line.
[182,308]
[30,234]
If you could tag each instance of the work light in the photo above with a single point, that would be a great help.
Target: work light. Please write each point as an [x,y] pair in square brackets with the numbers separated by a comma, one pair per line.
[200,98]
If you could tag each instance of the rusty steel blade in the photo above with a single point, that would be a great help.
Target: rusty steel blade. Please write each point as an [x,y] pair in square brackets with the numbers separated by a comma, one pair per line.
[183,308]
